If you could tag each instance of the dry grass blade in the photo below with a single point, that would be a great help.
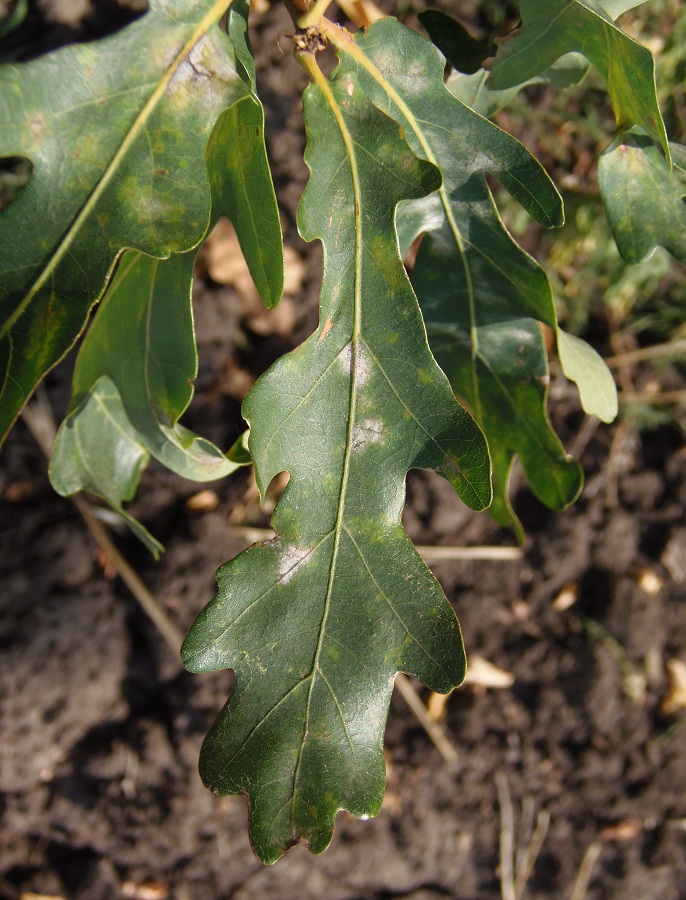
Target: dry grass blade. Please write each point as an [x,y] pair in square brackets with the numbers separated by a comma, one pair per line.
[507,879]
[515,873]
[645,353]
[437,734]
[447,554]
[583,879]
[526,866]
[151,607]
[652,397]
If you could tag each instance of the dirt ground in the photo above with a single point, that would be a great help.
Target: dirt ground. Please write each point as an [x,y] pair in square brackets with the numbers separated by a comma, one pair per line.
[101,727]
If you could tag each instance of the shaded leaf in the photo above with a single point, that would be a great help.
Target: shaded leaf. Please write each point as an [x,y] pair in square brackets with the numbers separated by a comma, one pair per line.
[242,189]
[133,380]
[616,8]
[481,295]
[12,20]
[97,451]
[476,91]
[552,28]
[318,621]
[643,199]
[142,338]
[240,450]
[240,177]
[678,153]
[461,50]
[118,150]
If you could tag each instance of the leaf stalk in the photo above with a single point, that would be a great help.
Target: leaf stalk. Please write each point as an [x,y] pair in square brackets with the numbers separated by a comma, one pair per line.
[314,14]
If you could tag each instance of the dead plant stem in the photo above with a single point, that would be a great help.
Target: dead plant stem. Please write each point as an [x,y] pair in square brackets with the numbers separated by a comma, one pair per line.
[507,880]
[151,607]
[526,865]
[585,874]
[435,731]
[645,353]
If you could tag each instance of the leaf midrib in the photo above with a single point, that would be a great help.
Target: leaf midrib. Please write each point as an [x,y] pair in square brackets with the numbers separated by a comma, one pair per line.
[348,46]
[322,83]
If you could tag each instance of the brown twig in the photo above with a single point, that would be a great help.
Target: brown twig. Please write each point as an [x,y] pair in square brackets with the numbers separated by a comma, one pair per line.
[584,436]
[435,554]
[150,606]
[616,463]
[526,866]
[643,354]
[624,373]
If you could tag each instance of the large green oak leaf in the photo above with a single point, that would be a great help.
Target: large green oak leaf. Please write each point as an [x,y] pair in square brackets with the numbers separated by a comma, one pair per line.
[644,199]
[476,89]
[552,28]
[142,337]
[117,133]
[483,298]
[318,621]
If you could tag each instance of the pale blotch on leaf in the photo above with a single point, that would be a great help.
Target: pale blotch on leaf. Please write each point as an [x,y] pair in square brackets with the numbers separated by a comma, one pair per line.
[290,560]
[371,431]
[345,359]
[363,367]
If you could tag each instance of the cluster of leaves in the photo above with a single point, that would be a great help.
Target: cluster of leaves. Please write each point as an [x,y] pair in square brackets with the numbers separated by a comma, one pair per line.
[138,144]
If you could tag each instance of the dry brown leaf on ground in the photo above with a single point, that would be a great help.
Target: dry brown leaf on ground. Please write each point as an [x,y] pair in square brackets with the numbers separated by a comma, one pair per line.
[675,697]
[151,890]
[483,673]
[203,501]
[480,673]
[361,12]
[221,258]
[31,896]
[626,830]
